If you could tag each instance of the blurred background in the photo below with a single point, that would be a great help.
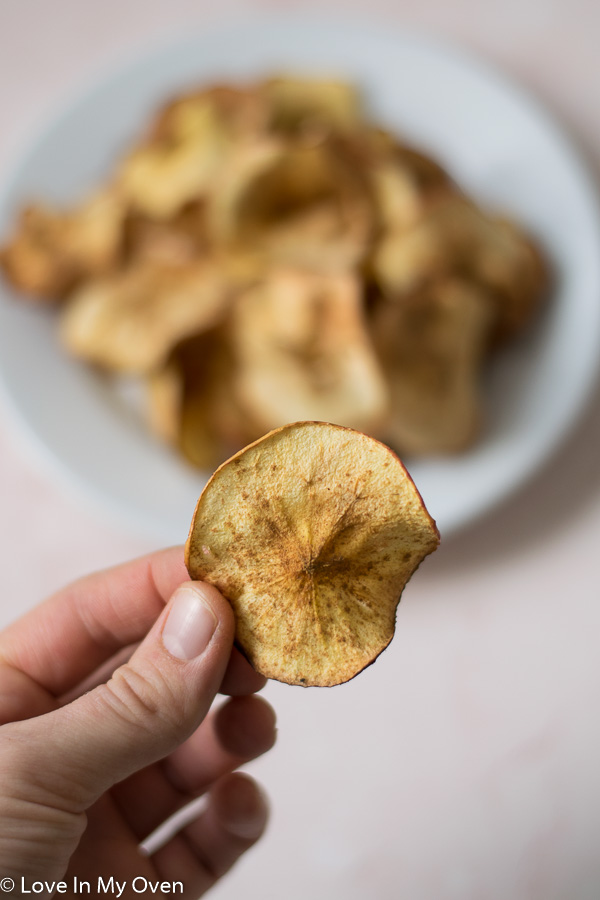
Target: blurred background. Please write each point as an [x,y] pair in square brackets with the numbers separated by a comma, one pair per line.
[463,765]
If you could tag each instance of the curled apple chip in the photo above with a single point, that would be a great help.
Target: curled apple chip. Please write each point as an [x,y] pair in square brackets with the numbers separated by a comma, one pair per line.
[311,533]
[53,250]
[300,105]
[188,145]
[455,238]
[302,349]
[301,204]
[164,393]
[183,239]
[130,321]
[191,405]
[431,346]
[178,165]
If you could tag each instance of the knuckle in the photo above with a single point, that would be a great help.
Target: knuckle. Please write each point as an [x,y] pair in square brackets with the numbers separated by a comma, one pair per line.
[143,700]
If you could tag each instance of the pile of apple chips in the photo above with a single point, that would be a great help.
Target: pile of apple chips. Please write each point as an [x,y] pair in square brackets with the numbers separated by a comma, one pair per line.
[266,255]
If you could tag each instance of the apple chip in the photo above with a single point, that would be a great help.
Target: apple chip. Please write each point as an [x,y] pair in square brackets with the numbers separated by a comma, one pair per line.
[129,322]
[51,251]
[241,111]
[311,533]
[303,350]
[305,105]
[197,439]
[190,402]
[164,396]
[302,204]
[431,346]
[453,237]
[162,175]
[404,184]
[182,239]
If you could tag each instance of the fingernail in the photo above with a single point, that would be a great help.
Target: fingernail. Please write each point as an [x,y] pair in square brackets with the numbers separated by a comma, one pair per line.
[190,624]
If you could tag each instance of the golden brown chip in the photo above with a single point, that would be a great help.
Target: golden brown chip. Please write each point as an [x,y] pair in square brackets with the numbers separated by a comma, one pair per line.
[161,176]
[512,268]
[51,251]
[431,346]
[311,533]
[299,204]
[212,425]
[197,439]
[184,238]
[242,111]
[188,146]
[398,197]
[453,237]
[164,394]
[309,105]
[130,321]
[191,402]
[179,402]
[303,352]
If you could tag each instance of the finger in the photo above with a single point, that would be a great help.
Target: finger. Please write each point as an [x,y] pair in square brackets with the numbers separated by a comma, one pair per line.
[150,705]
[63,640]
[100,675]
[240,678]
[239,731]
[235,818]
[21,697]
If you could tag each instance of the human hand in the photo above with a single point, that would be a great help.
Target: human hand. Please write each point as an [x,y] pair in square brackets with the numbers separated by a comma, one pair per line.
[85,775]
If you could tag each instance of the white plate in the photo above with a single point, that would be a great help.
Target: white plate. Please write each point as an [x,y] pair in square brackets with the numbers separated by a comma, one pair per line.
[495,140]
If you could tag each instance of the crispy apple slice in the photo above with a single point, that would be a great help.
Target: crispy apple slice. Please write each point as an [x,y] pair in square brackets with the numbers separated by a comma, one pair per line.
[299,105]
[129,321]
[53,250]
[454,237]
[179,163]
[298,204]
[311,533]
[303,352]
[190,402]
[432,346]
[164,392]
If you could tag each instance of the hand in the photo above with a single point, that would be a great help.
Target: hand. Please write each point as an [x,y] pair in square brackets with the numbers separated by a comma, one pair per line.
[85,774]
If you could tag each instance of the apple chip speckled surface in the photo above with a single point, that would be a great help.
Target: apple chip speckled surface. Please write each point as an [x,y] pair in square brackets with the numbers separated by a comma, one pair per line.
[311,533]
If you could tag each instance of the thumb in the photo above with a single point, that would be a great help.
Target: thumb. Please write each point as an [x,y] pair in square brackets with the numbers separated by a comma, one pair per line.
[149,706]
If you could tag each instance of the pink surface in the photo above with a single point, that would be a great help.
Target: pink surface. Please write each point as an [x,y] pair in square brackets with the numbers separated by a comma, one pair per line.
[464,764]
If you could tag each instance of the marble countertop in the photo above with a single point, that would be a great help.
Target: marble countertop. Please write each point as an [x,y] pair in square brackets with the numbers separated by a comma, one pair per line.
[464,765]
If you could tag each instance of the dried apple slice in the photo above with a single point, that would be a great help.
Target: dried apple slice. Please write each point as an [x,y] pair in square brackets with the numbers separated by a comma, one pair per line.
[178,166]
[190,403]
[432,346]
[311,533]
[454,237]
[53,250]
[298,204]
[130,321]
[304,353]
[300,105]
[164,392]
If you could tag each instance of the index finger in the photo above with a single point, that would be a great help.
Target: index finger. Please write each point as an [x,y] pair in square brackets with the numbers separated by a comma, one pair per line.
[60,642]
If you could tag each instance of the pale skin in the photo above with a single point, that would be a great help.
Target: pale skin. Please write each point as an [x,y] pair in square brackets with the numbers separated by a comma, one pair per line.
[100,744]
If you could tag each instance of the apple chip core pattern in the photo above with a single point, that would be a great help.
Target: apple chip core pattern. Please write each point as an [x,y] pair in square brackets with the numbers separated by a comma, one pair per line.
[311,533]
